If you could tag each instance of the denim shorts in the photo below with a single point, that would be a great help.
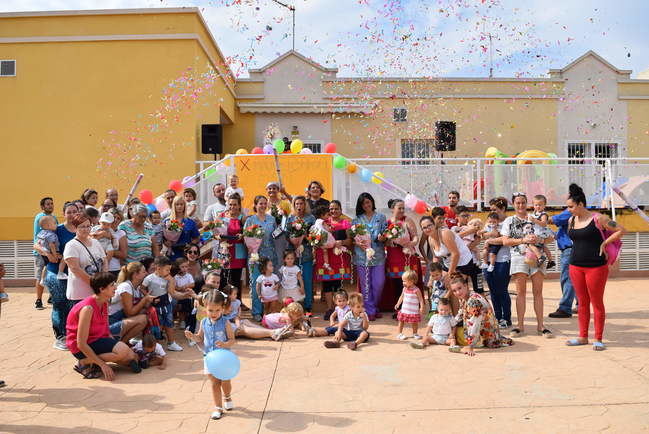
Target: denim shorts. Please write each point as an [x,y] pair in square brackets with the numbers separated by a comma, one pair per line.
[165,315]
[518,265]
[331,330]
[440,339]
[100,346]
[115,321]
[352,335]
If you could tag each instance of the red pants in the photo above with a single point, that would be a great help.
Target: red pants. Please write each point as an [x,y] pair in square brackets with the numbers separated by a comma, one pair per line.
[589,283]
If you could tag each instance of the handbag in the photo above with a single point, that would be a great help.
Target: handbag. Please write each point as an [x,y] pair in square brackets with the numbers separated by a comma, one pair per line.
[612,249]
[89,268]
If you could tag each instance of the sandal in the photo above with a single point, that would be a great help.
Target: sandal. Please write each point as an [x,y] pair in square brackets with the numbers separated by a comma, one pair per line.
[515,332]
[455,349]
[575,342]
[88,372]
[352,346]
[332,344]
[217,413]
[545,333]
[599,346]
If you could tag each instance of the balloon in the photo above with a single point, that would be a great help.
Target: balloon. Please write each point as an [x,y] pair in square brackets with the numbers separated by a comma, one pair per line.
[206,236]
[161,204]
[222,364]
[268,149]
[176,185]
[296,146]
[279,145]
[146,196]
[352,168]
[242,151]
[209,173]
[151,207]
[330,148]
[491,152]
[189,181]
[340,162]
[257,150]
[420,207]
[553,156]
[366,175]
[410,201]
[306,151]
[376,180]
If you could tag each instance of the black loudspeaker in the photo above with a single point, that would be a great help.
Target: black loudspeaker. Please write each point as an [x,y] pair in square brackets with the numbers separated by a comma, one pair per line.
[444,136]
[211,139]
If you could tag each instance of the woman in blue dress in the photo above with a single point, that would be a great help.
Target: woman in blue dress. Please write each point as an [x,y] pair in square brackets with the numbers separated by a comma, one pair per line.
[189,232]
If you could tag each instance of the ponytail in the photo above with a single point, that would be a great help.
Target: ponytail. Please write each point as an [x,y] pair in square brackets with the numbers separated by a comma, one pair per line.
[127,271]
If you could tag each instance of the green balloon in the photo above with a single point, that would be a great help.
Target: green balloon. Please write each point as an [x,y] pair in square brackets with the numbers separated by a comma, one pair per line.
[340,162]
[279,145]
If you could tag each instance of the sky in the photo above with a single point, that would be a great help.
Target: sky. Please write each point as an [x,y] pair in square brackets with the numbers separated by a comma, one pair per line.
[431,38]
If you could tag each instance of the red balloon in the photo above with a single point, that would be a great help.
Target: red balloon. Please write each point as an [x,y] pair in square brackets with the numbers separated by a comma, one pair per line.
[146,196]
[420,207]
[176,185]
[330,148]
[257,150]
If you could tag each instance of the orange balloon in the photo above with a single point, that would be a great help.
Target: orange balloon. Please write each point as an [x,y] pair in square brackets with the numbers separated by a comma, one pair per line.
[352,168]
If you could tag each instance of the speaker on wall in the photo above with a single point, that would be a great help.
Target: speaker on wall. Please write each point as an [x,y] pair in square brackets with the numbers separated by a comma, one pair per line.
[444,136]
[211,139]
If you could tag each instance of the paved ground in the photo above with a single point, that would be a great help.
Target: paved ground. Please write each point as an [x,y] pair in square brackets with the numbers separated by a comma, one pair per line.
[538,385]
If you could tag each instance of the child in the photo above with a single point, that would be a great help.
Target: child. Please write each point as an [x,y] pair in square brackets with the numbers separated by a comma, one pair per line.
[266,286]
[105,234]
[540,219]
[150,353]
[342,307]
[93,215]
[49,242]
[233,308]
[161,285]
[353,326]
[490,251]
[156,222]
[476,226]
[184,286]
[436,285]
[292,283]
[190,197]
[412,305]
[212,281]
[442,325]
[233,188]
[215,332]
[285,322]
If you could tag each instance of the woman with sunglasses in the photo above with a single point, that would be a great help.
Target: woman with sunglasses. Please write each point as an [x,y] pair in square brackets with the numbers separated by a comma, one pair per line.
[516,232]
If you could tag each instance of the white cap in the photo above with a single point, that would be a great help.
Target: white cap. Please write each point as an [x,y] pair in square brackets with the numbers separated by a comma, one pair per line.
[107,218]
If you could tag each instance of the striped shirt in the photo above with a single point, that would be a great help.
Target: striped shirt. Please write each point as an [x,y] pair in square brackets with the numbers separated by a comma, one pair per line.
[354,322]
[410,304]
[139,245]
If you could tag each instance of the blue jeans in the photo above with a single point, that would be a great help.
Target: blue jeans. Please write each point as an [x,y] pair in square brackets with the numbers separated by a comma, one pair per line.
[498,281]
[307,276]
[568,291]
[257,307]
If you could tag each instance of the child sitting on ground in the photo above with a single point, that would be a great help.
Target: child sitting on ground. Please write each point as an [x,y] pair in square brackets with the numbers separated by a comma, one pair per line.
[442,324]
[266,286]
[150,353]
[436,285]
[284,323]
[49,242]
[215,332]
[292,283]
[105,234]
[412,305]
[342,307]
[540,219]
[233,188]
[490,251]
[353,326]
[233,309]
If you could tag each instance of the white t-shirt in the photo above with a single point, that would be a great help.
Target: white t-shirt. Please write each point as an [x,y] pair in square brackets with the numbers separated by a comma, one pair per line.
[230,191]
[159,352]
[212,212]
[290,287]
[77,288]
[116,302]
[187,279]
[442,325]
[115,264]
[156,285]
[267,283]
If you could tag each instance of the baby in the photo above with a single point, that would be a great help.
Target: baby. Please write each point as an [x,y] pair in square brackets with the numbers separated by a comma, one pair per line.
[233,188]
[105,234]
[490,251]
[442,324]
[49,242]
[150,353]
[540,219]
[156,220]
[436,285]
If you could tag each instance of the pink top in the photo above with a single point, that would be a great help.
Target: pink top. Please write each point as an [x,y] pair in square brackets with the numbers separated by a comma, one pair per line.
[275,320]
[98,323]
[410,303]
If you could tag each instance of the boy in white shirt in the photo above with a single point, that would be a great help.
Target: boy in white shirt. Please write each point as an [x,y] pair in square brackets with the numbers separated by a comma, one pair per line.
[442,324]
[105,234]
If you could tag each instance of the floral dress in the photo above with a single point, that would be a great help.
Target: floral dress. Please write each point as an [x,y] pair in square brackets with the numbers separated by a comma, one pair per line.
[480,324]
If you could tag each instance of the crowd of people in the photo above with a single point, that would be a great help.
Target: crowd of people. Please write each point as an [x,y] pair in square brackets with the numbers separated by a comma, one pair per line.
[123,278]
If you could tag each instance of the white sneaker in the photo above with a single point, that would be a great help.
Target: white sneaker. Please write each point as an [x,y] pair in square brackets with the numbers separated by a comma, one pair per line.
[61,276]
[217,413]
[134,341]
[416,336]
[191,343]
[59,344]
[282,332]
[182,325]
[502,324]
[484,265]
[228,404]
[174,347]
[402,337]
[490,268]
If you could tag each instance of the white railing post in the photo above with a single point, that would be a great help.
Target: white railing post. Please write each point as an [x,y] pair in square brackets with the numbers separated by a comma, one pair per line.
[479,177]
[610,184]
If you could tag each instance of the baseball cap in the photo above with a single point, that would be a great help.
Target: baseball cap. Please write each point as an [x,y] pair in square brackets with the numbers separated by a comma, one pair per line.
[106,217]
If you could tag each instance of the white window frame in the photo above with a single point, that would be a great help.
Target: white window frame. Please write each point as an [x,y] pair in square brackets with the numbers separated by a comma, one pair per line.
[15,67]
[590,148]
[398,119]
[416,142]
[320,143]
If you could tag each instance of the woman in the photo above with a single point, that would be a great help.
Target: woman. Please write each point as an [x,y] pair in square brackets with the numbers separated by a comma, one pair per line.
[139,235]
[89,198]
[192,253]
[498,279]
[107,205]
[280,209]
[88,336]
[233,220]
[84,257]
[302,211]
[119,255]
[267,249]
[479,323]
[127,309]
[60,304]
[189,232]
[514,235]
[315,190]
[338,257]
[370,270]
[401,257]
[589,263]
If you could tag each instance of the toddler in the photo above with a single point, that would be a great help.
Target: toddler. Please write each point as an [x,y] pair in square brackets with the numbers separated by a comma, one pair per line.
[266,286]
[285,322]
[185,288]
[150,353]
[49,242]
[436,285]
[233,188]
[490,251]
[540,252]
[342,307]
[105,234]
[216,333]
[442,324]
[190,197]
[292,283]
[233,308]
[156,221]
[353,326]
[161,285]
[412,305]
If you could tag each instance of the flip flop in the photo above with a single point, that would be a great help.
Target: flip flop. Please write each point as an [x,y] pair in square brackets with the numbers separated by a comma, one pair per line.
[455,349]
[545,333]
[598,346]
[575,342]
[515,332]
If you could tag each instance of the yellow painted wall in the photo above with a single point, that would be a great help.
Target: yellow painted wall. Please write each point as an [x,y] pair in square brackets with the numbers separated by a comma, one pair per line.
[638,128]
[241,134]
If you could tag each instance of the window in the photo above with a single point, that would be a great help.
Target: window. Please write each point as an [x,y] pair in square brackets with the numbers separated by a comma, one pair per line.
[417,148]
[579,151]
[7,68]
[399,115]
[315,147]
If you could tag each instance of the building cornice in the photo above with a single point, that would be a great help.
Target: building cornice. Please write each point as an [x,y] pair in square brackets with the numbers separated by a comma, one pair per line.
[446,79]
[303,108]
[447,96]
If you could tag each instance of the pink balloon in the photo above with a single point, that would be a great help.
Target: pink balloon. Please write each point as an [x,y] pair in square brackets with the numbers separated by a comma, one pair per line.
[306,151]
[160,204]
[410,201]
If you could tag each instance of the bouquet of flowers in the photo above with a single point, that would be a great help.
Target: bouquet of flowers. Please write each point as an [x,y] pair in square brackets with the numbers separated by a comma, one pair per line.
[214,264]
[252,237]
[398,234]
[172,230]
[277,213]
[297,230]
[216,226]
[362,239]
[317,238]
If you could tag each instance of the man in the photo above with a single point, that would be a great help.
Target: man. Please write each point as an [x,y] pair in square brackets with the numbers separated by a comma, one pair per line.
[168,196]
[112,194]
[47,207]
[450,210]
[565,245]
[212,212]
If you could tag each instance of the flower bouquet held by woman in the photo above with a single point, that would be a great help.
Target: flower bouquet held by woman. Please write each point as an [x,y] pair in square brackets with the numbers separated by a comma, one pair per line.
[252,236]
[362,239]
[297,230]
[214,264]
[172,230]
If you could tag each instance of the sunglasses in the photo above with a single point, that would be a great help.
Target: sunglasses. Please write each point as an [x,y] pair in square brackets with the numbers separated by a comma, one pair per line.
[427,227]
[518,194]
[192,252]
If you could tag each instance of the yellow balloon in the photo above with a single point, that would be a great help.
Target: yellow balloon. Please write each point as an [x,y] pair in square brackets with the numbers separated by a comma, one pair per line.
[376,180]
[296,146]
[241,151]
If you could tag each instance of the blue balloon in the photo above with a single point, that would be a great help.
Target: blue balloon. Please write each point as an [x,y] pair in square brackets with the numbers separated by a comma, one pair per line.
[222,364]
[366,175]
[151,207]
[206,236]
